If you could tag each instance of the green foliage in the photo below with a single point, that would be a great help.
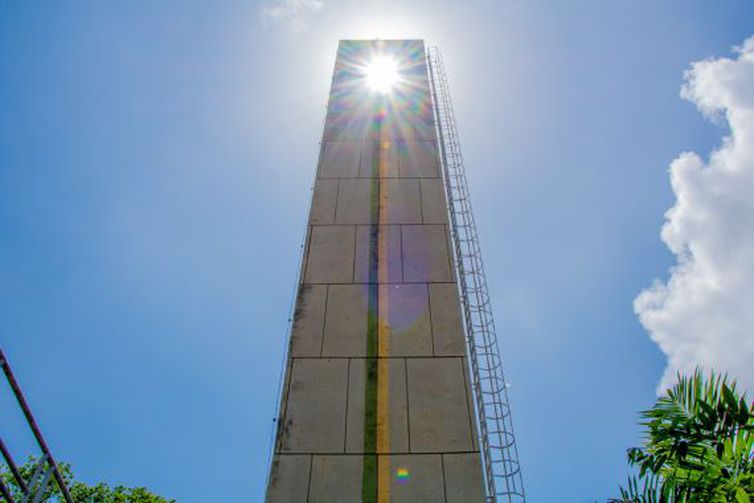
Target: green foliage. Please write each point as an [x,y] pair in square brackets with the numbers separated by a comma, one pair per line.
[699,446]
[80,492]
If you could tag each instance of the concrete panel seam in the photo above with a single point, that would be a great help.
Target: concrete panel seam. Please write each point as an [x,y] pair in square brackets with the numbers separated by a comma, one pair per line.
[408,404]
[421,204]
[469,405]
[449,252]
[355,240]
[383,357]
[359,453]
[442,472]
[306,253]
[345,412]
[319,161]
[388,177]
[282,419]
[400,255]
[346,283]
[324,319]
[309,482]
[361,153]
[388,283]
[431,325]
[337,196]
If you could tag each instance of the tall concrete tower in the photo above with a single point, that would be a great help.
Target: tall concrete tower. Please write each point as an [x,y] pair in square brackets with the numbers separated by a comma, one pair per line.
[377,403]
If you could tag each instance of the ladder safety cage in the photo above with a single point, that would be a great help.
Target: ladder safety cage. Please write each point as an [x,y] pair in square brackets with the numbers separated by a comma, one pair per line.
[502,471]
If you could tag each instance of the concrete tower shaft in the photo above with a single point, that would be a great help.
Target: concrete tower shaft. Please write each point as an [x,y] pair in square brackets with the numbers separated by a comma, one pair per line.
[376,402]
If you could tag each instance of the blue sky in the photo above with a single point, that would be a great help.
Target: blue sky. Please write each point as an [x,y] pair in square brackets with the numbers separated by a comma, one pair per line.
[155,168]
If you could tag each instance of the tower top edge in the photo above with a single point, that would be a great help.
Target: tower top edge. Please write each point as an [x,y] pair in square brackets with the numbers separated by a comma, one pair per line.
[381,40]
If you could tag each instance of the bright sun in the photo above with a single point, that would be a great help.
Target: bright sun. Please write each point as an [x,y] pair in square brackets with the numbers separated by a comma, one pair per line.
[381,74]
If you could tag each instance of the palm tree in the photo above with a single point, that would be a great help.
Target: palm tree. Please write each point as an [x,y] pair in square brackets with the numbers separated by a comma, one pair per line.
[698,448]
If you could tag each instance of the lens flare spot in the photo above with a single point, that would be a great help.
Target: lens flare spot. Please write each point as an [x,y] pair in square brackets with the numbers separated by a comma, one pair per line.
[402,475]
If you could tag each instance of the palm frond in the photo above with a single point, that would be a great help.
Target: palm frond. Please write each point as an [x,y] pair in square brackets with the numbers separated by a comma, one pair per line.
[699,445]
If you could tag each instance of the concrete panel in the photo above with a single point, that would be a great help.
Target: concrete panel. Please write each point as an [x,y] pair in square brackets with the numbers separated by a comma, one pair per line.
[380,159]
[470,402]
[421,92]
[368,168]
[398,406]
[388,159]
[355,126]
[340,159]
[424,132]
[289,479]
[451,259]
[308,320]
[434,209]
[355,201]
[331,252]
[447,331]
[403,200]
[336,479]
[323,201]
[320,439]
[396,127]
[425,253]
[355,413]
[397,409]
[346,321]
[438,409]
[409,318]
[418,159]
[316,406]
[463,478]
[365,260]
[423,482]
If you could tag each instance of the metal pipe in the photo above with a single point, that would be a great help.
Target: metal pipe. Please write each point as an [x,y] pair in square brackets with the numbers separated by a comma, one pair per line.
[33,425]
[13,467]
[6,492]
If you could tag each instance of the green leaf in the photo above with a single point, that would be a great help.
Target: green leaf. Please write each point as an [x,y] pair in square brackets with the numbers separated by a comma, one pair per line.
[699,440]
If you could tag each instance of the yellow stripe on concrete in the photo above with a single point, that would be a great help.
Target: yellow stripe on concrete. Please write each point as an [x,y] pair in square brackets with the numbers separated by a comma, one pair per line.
[383,340]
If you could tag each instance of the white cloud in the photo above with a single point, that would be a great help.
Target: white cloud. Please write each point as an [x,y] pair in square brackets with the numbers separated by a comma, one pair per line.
[293,13]
[704,314]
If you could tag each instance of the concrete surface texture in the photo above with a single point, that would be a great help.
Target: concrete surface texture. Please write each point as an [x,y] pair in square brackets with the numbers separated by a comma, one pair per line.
[376,404]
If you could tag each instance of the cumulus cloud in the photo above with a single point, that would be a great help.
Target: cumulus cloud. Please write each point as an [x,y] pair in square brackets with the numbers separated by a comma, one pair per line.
[293,13]
[704,314]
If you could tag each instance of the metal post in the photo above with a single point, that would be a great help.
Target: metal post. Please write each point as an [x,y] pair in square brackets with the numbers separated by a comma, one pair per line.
[6,492]
[33,425]
[13,468]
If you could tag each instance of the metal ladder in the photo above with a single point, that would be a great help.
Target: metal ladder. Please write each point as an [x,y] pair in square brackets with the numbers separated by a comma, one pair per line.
[502,471]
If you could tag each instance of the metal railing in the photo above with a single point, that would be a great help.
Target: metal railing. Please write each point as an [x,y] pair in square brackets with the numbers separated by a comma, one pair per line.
[33,489]
[497,443]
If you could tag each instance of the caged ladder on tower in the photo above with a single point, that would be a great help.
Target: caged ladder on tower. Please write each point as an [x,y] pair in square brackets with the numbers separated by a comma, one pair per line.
[500,462]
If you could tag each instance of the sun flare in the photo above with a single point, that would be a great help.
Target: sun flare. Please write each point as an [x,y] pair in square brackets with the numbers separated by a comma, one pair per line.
[381,74]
